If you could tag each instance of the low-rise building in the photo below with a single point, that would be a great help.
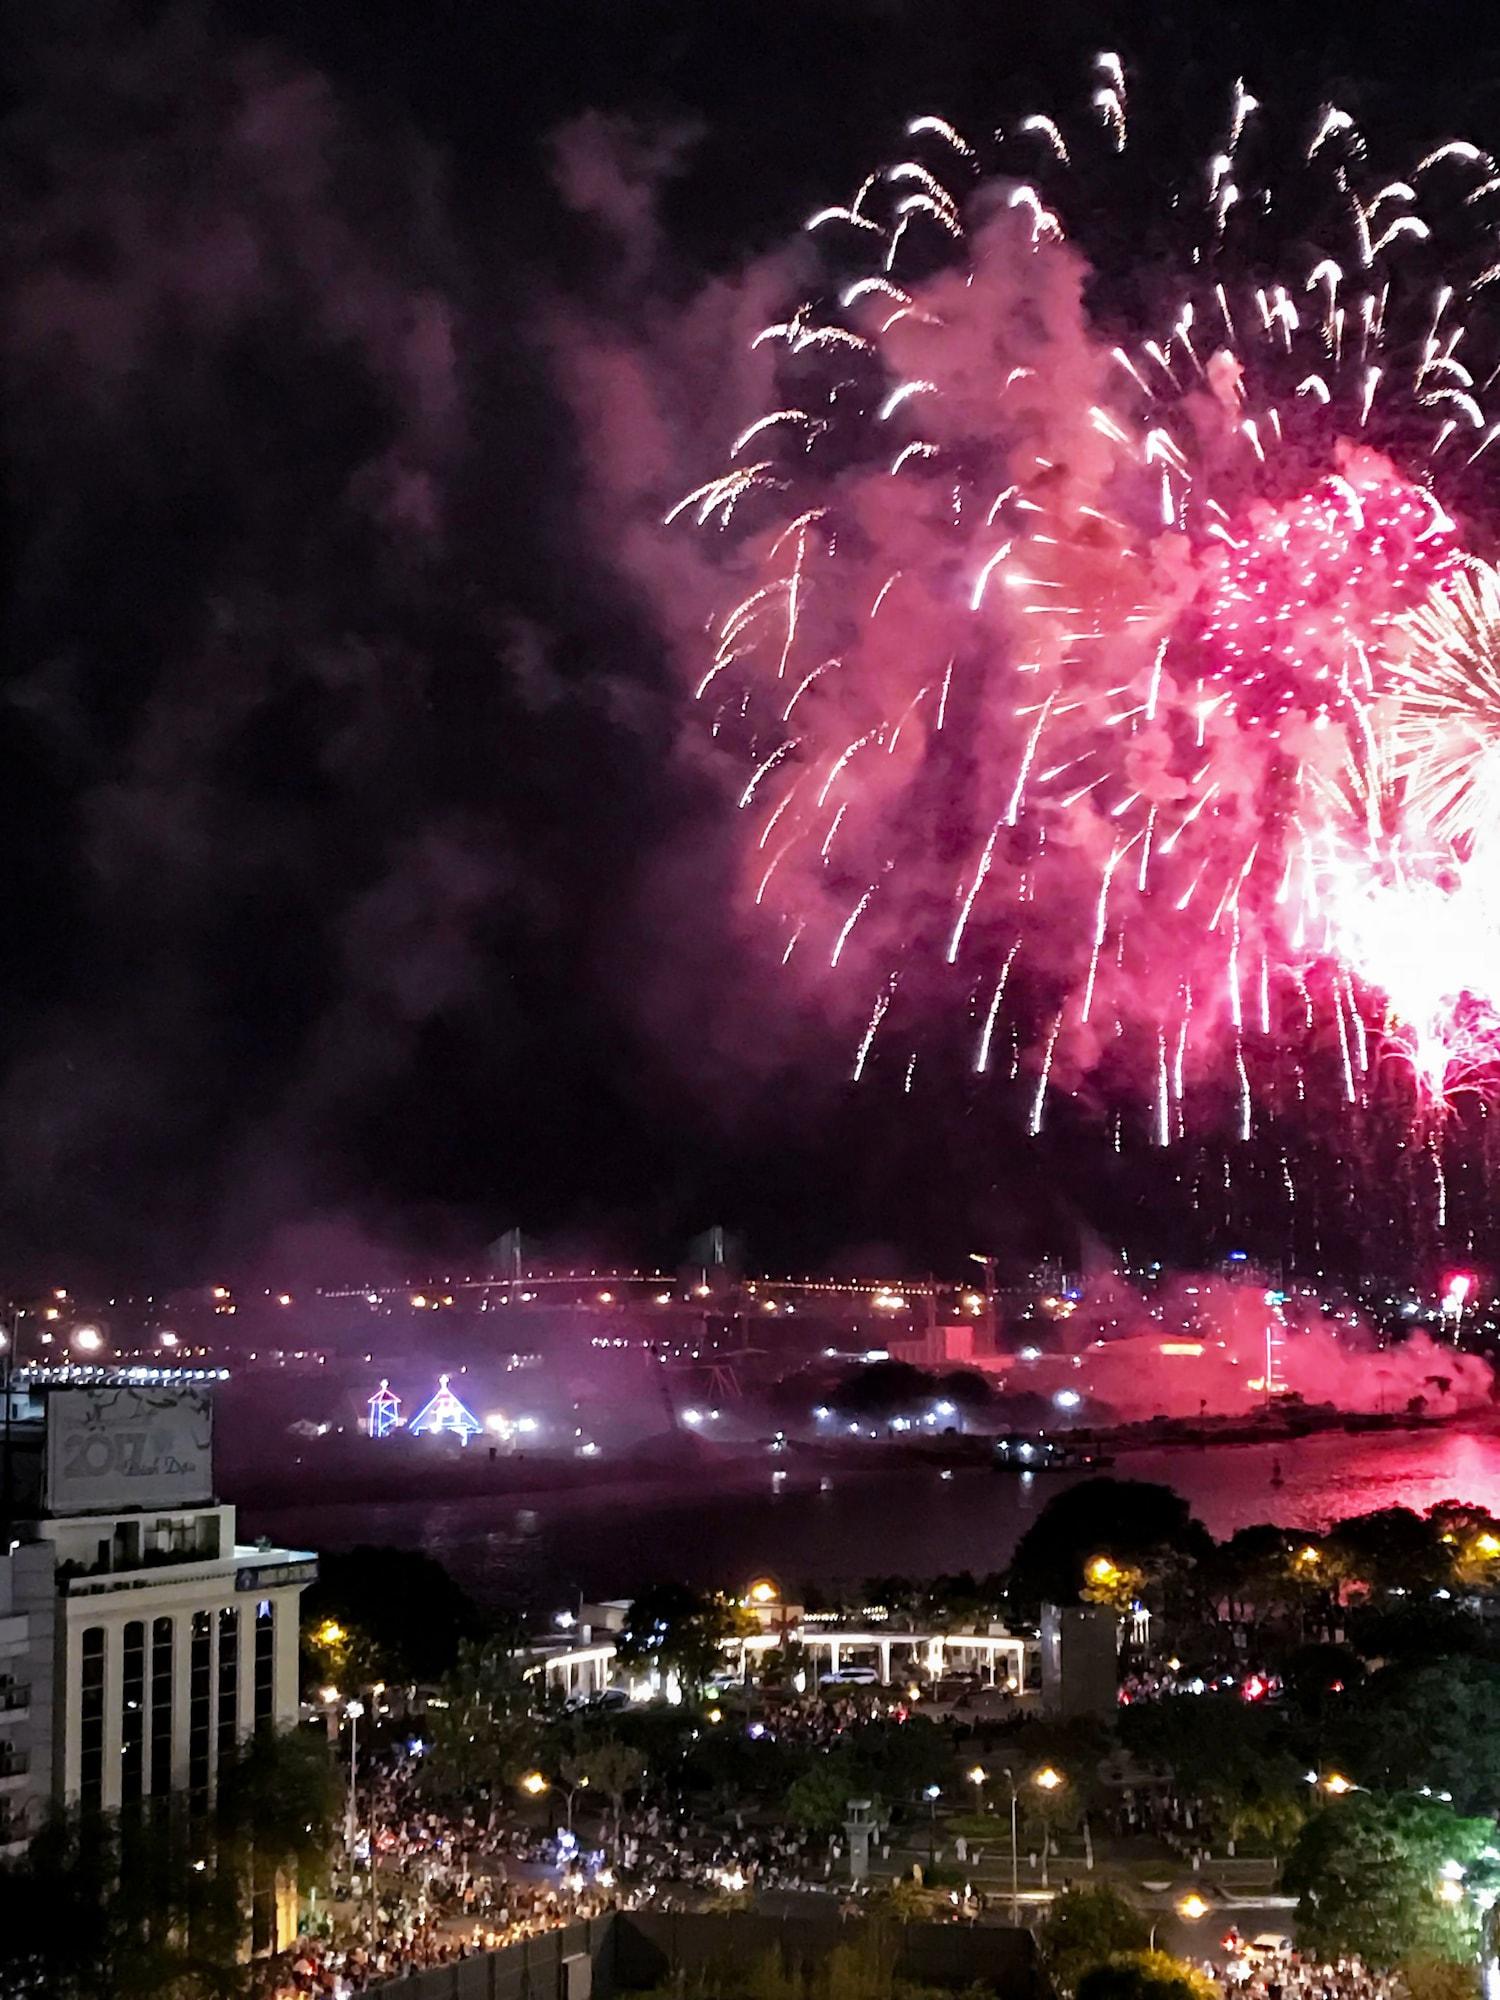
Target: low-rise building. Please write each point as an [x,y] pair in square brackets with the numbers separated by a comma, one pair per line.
[139,1639]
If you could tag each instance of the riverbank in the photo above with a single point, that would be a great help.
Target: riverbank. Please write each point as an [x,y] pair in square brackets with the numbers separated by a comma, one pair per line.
[705,1522]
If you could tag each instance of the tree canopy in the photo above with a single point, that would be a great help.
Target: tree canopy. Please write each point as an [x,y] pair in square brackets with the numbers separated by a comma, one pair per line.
[481,1728]
[379,1614]
[152,1905]
[1086,1926]
[1130,1521]
[1145,1975]
[1370,1874]
[676,1630]
[1429,1723]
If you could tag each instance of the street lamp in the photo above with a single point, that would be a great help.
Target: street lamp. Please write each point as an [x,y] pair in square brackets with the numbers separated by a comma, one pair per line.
[354,1710]
[1015,1883]
[1047,1781]
[87,1339]
[572,1792]
[932,1793]
[1334,1783]
[1192,1908]
[534,1783]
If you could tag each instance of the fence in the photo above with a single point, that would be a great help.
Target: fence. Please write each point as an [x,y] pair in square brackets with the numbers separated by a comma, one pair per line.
[630,1950]
[538,1968]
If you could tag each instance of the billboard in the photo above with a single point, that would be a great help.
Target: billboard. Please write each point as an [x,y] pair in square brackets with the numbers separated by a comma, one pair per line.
[121,1446]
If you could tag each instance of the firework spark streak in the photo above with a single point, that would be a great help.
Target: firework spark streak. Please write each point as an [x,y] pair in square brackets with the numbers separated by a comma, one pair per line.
[1033,589]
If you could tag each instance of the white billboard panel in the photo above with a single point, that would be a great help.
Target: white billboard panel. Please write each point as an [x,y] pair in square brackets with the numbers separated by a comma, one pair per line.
[125,1446]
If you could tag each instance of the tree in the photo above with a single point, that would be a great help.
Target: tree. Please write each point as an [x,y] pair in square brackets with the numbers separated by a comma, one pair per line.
[1432,1724]
[482,1729]
[672,1629]
[1250,1571]
[1440,1979]
[1391,1549]
[1414,1630]
[884,1389]
[1469,1537]
[1072,1745]
[895,1760]
[1129,1521]
[134,1907]
[382,1614]
[275,1810]
[1084,1927]
[961,1599]
[1317,1678]
[612,1768]
[780,1667]
[1241,1759]
[279,1796]
[819,1799]
[1269,1573]
[1145,1975]
[966,1387]
[1118,1586]
[1369,1875]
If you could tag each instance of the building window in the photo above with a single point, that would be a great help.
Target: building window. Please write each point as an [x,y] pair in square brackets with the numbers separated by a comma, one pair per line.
[229,1678]
[91,1720]
[200,1704]
[162,1633]
[133,1713]
[265,1662]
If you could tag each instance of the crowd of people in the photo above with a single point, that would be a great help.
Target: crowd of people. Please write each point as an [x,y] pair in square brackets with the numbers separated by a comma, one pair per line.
[1290,1976]
[426,1886]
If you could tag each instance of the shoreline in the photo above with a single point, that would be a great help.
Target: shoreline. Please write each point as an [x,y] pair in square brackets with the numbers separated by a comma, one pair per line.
[662,1466]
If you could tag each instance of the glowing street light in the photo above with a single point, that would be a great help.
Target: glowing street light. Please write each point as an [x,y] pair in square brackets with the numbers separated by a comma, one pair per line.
[1192,1908]
[534,1784]
[1047,1781]
[354,1709]
[87,1339]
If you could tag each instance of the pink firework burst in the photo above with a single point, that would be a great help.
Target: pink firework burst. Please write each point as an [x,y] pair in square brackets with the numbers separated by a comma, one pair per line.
[1065,658]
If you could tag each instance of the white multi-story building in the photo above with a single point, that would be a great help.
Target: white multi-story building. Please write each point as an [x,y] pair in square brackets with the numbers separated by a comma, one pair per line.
[139,1641]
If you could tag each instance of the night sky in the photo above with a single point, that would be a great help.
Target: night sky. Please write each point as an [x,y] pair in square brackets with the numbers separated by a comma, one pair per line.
[360,894]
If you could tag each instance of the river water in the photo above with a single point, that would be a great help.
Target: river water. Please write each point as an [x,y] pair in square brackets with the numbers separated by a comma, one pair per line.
[538,1550]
